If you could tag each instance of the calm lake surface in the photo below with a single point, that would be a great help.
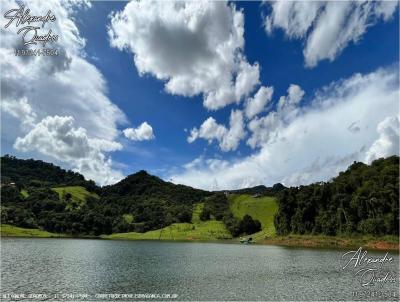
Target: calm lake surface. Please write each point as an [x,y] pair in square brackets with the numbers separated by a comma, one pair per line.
[192,271]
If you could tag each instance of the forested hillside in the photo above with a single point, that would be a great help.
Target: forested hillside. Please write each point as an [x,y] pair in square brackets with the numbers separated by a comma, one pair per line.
[217,207]
[37,173]
[142,183]
[40,195]
[36,194]
[149,203]
[363,199]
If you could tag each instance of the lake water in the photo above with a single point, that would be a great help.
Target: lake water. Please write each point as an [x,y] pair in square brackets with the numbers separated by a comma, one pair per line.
[192,271]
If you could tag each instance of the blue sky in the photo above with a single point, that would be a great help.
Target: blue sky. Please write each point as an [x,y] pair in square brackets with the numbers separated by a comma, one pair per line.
[281,59]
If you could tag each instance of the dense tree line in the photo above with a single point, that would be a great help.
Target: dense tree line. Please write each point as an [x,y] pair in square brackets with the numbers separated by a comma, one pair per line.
[140,202]
[260,190]
[144,184]
[363,199]
[217,207]
[32,173]
[44,209]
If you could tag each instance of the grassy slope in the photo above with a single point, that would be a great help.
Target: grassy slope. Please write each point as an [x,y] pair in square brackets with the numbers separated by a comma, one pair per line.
[262,209]
[9,230]
[24,193]
[197,230]
[79,194]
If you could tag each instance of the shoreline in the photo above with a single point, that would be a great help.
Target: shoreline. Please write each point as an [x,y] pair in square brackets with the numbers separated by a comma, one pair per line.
[384,243]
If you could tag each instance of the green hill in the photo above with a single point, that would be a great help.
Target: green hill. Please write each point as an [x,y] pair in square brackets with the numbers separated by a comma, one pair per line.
[196,230]
[208,230]
[148,186]
[10,230]
[42,196]
[261,208]
[39,195]
[79,195]
[364,199]
[36,173]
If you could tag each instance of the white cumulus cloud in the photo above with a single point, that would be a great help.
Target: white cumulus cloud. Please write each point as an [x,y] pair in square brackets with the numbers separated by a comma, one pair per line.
[267,127]
[388,141]
[326,26]
[315,144]
[258,102]
[195,47]
[142,133]
[57,137]
[228,139]
[21,110]
[37,89]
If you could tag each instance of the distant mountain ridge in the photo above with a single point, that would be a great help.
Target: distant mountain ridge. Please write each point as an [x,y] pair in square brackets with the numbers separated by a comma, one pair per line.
[31,172]
[34,194]
[144,184]
[260,190]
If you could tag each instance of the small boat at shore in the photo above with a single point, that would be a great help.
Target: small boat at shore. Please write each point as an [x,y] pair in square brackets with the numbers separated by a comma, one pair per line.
[246,240]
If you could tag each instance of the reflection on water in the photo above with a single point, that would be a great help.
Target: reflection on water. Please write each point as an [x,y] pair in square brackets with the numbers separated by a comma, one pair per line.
[193,271]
